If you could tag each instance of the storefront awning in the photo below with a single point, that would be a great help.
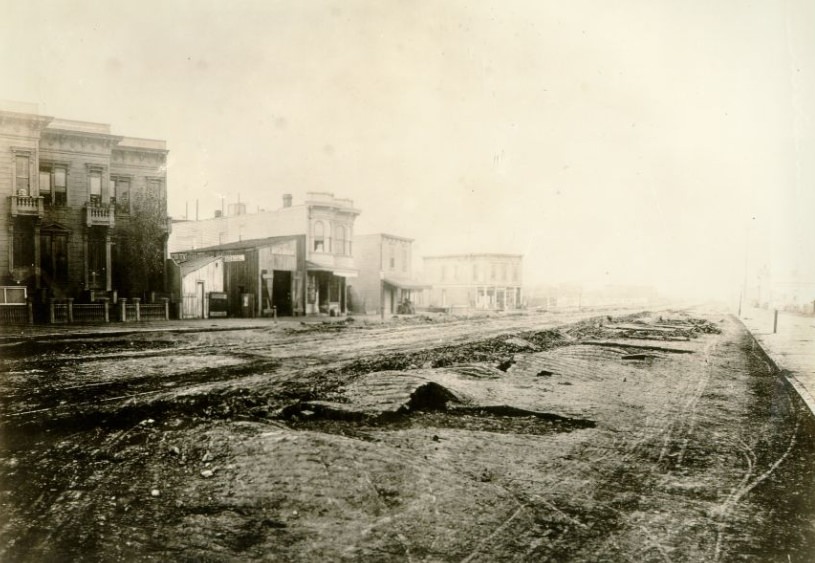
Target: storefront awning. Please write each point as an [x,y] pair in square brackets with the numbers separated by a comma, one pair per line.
[406,284]
[341,272]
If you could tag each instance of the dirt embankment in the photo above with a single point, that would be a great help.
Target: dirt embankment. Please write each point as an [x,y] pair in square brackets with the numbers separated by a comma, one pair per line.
[650,438]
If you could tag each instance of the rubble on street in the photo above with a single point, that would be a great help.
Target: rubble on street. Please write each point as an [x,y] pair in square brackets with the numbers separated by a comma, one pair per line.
[652,436]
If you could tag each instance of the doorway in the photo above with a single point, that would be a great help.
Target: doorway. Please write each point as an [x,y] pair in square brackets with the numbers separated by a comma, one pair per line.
[201,297]
[281,292]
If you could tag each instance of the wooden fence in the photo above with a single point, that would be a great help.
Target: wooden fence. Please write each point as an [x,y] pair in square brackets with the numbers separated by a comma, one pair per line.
[18,314]
[62,312]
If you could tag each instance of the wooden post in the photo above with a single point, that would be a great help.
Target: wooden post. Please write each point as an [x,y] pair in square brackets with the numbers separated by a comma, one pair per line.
[166,308]
[70,309]
[775,321]
[30,307]
[106,305]
[137,302]
[381,295]
[123,309]
[52,317]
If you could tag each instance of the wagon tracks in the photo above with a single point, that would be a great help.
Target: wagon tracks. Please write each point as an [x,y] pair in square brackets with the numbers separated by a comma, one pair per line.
[748,483]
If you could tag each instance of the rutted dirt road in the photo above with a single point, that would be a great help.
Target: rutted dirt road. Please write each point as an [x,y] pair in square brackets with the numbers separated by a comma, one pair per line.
[658,437]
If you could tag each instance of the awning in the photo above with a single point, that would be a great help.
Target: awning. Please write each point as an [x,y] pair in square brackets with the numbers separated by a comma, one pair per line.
[343,273]
[406,284]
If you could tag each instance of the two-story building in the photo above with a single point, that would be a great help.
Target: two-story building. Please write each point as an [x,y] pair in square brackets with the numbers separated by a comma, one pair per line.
[386,281]
[327,224]
[475,281]
[71,191]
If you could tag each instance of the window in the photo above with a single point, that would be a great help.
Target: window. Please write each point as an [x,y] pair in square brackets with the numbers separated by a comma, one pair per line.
[154,191]
[503,272]
[53,187]
[515,273]
[475,272]
[492,271]
[392,258]
[341,242]
[120,195]
[404,259]
[22,175]
[45,186]
[95,187]
[60,187]
[319,237]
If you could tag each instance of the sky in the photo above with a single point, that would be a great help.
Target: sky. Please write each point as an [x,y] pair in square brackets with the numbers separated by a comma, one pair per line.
[665,143]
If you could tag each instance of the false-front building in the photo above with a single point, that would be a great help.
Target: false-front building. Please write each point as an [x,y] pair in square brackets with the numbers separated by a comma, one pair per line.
[83,211]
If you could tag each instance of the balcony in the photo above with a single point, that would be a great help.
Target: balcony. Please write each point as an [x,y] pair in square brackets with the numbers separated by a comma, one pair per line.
[26,206]
[98,215]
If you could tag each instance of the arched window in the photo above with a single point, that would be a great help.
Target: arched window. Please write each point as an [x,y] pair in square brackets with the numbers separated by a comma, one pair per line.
[319,236]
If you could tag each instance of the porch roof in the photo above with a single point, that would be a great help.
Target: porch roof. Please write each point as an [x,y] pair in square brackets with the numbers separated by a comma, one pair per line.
[342,272]
[406,284]
[197,263]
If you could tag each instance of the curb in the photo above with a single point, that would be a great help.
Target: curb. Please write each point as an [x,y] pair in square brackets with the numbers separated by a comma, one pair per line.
[788,375]
[802,392]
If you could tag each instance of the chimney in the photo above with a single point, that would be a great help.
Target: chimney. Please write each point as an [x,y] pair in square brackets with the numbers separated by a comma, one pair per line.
[286,200]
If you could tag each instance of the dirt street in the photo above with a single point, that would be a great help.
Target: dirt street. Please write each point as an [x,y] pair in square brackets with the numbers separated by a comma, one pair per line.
[662,436]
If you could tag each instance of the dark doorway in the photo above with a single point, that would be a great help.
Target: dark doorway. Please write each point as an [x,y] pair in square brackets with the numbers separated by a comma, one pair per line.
[281,292]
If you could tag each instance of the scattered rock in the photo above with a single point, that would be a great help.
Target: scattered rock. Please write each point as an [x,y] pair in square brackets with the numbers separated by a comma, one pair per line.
[521,343]
[155,493]
[207,473]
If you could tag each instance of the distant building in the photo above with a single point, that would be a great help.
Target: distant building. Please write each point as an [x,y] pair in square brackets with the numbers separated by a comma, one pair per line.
[69,191]
[785,291]
[475,281]
[326,224]
[386,279]
[575,296]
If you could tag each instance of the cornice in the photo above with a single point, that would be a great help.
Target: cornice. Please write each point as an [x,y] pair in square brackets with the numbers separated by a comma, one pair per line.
[77,141]
[36,122]
[146,150]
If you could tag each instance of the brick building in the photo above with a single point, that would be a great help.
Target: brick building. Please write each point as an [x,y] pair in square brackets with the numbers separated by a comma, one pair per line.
[73,198]
[475,281]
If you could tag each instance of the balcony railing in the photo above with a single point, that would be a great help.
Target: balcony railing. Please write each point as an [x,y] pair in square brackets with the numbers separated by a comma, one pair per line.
[100,215]
[27,205]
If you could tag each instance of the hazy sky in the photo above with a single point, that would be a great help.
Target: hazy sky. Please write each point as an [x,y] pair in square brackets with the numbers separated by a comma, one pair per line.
[646,141]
